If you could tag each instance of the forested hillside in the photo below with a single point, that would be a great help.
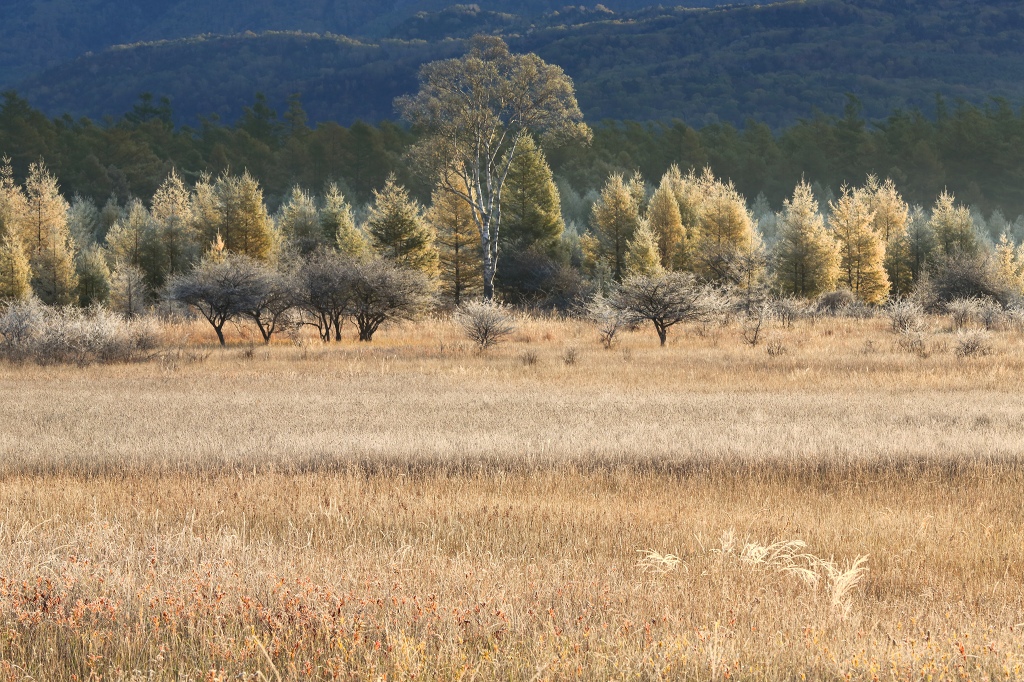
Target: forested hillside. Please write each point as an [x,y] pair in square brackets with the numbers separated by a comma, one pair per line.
[37,34]
[775,63]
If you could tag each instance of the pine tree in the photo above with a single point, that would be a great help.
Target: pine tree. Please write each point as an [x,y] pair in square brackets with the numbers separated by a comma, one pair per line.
[615,217]
[643,259]
[862,252]
[47,240]
[174,229]
[398,231]
[339,227]
[458,242]
[806,256]
[233,208]
[666,222]
[93,276]
[299,222]
[953,227]
[531,210]
[15,272]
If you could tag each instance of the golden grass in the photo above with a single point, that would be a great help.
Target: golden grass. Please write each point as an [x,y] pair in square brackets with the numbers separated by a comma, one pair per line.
[413,509]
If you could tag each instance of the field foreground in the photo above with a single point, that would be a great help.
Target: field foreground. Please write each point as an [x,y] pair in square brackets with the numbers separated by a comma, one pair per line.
[549,510]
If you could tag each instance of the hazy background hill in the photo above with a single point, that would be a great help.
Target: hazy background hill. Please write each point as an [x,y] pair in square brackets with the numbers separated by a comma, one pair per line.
[773,63]
[36,34]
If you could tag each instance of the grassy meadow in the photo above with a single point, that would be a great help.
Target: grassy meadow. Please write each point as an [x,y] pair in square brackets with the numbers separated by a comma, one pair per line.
[844,507]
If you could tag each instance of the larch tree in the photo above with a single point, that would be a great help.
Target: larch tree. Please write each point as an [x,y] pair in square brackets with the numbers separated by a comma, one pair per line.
[93,276]
[688,191]
[806,256]
[458,244]
[615,218]
[337,224]
[299,222]
[953,227]
[891,218]
[531,207]
[398,230]
[15,271]
[233,208]
[726,234]
[174,228]
[643,259]
[862,252]
[47,240]
[666,222]
[920,246]
[476,110]
[131,239]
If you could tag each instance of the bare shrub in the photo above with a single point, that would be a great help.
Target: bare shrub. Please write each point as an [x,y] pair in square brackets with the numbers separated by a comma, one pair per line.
[571,356]
[754,323]
[776,348]
[530,358]
[971,343]
[905,315]
[789,310]
[484,323]
[991,315]
[913,340]
[30,331]
[962,311]
[609,320]
[836,303]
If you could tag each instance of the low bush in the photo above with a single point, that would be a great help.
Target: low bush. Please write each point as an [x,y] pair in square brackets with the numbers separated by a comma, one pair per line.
[32,332]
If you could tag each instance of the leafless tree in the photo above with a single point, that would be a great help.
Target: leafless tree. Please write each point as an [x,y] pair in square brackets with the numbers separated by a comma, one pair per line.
[380,292]
[323,289]
[221,289]
[664,300]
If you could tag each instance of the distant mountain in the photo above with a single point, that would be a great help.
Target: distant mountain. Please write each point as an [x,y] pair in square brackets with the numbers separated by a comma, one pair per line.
[39,34]
[775,63]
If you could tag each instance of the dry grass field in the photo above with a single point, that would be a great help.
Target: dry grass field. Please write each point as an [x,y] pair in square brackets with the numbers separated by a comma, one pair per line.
[412,509]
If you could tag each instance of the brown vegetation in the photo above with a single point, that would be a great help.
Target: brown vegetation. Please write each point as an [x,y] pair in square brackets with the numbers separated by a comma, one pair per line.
[417,509]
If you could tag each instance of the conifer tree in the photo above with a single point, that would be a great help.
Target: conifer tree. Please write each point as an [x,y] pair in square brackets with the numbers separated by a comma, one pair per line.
[531,210]
[13,204]
[299,222]
[725,230]
[338,225]
[1009,265]
[891,217]
[129,293]
[643,259]
[920,244]
[615,217]
[93,276]
[666,222]
[233,208]
[15,272]
[458,241]
[131,238]
[83,221]
[953,227]
[806,255]
[47,240]
[398,231]
[688,191]
[174,230]
[862,252]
